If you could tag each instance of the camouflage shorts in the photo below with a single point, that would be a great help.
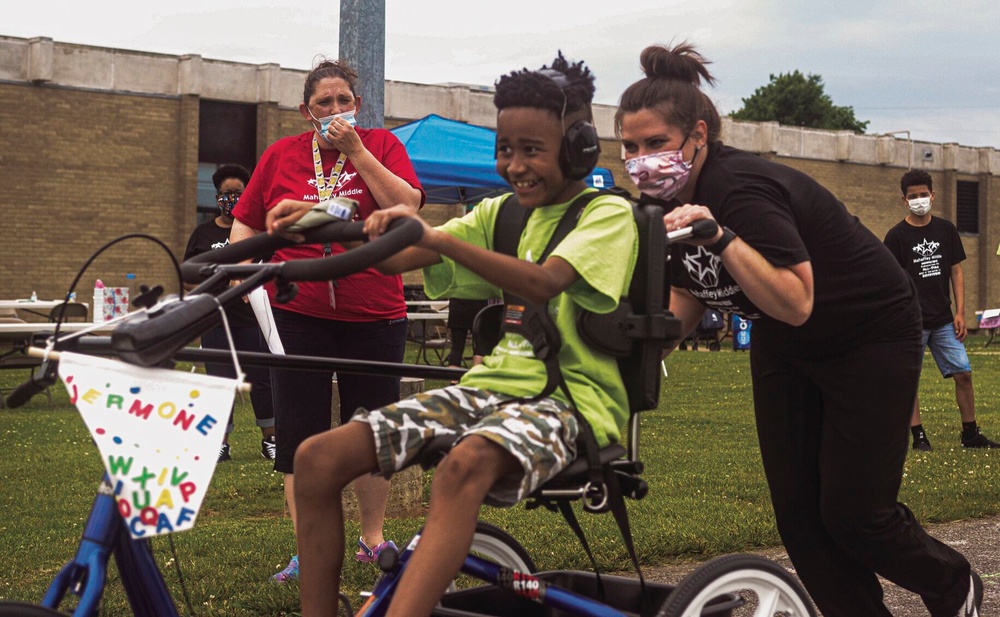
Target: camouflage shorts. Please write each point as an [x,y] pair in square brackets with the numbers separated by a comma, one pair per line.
[541,435]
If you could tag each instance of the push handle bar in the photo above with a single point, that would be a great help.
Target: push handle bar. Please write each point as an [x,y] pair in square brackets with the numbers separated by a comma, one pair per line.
[400,234]
[153,337]
[702,229]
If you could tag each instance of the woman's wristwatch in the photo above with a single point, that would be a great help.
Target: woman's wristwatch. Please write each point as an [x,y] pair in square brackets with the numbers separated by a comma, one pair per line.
[728,235]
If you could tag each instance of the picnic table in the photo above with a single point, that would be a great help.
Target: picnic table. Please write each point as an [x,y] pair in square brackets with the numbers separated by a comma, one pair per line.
[41,308]
[15,337]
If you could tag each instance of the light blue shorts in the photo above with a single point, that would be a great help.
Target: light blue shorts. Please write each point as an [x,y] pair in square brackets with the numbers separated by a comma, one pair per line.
[949,353]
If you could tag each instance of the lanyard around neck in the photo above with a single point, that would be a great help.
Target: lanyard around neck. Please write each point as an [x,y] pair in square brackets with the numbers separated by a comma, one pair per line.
[326,185]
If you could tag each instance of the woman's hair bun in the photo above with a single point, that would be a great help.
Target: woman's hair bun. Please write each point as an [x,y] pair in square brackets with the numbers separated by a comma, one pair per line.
[680,62]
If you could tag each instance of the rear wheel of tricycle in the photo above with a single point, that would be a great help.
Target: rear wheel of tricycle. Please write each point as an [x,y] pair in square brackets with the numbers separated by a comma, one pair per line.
[762,584]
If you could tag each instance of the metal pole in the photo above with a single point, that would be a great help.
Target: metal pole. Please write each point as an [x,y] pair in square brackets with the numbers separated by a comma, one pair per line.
[362,45]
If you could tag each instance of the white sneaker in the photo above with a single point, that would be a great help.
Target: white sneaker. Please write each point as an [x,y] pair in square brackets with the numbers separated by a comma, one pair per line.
[268,448]
[975,598]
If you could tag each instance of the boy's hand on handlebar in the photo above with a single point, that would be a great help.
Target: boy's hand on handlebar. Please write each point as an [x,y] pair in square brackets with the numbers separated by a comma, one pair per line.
[378,221]
[285,213]
[683,216]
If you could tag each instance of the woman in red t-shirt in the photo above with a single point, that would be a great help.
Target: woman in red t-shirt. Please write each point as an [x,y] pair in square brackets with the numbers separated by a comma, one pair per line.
[362,316]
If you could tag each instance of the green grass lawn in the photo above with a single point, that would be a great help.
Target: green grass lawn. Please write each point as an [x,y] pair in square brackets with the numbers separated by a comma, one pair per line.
[707,495]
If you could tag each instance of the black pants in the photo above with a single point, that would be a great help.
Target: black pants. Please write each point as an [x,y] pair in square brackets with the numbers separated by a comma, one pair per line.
[833,437]
[302,398]
[246,338]
[461,315]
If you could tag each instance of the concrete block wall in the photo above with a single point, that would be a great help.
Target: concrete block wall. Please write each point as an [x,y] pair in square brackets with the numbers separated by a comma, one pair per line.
[80,168]
[98,142]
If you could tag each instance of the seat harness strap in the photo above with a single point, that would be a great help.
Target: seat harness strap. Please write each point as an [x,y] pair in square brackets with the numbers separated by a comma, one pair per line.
[536,325]
[534,322]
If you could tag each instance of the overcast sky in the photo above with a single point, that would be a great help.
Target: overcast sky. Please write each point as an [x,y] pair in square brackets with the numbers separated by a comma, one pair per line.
[932,68]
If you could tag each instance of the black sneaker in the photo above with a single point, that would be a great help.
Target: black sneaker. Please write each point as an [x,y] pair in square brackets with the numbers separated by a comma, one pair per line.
[224,453]
[979,441]
[974,600]
[268,449]
[922,443]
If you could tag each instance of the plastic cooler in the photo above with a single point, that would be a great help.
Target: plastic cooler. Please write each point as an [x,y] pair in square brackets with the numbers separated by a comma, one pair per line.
[741,333]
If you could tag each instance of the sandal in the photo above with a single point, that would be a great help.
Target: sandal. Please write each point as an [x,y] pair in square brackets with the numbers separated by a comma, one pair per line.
[290,573]
[366,554]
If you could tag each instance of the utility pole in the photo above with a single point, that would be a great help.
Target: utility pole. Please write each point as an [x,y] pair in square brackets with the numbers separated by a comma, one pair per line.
[362,45]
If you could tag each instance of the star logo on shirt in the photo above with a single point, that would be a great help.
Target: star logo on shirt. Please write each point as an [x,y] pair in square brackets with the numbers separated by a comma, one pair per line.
[926,248]
[343,179]
[703,267]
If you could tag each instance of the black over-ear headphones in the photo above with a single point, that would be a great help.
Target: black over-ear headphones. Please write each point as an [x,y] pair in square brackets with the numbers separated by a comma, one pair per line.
[581,148]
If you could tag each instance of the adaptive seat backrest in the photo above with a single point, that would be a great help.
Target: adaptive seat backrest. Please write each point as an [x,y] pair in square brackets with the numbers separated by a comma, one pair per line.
[638,330]
[650,325]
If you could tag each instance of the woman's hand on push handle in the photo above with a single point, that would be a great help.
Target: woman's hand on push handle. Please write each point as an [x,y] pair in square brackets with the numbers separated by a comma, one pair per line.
[685,215]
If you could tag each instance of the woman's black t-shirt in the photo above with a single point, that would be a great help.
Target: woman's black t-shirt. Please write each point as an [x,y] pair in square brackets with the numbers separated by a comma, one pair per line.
[207,237]
[860,292]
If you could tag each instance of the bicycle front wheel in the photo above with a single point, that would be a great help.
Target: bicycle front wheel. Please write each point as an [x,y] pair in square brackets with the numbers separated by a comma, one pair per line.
[492,543]
[761,583]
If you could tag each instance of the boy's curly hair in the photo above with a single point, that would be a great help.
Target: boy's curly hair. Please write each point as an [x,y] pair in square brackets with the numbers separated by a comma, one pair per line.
[531,88]
[916,177]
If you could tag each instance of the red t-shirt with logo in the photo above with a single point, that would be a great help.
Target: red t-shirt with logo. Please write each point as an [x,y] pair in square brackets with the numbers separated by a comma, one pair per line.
[286,171]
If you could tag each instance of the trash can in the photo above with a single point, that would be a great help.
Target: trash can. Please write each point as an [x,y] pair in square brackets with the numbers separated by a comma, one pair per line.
[741,333]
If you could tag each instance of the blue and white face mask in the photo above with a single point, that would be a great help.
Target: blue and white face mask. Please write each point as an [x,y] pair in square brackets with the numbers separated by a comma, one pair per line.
[325,121]
[348,117]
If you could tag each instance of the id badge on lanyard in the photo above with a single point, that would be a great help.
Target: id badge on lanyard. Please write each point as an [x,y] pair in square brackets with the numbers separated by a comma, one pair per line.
[324,187]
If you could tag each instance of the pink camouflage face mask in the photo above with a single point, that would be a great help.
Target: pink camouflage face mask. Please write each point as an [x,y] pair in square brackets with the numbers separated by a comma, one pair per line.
[661,175]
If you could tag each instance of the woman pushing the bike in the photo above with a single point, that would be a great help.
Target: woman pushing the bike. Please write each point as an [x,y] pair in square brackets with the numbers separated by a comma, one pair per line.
[836,355]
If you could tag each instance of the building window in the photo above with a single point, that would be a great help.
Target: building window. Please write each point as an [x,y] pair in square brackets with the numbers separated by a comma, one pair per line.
[207,208]
[967,210]
[227,133]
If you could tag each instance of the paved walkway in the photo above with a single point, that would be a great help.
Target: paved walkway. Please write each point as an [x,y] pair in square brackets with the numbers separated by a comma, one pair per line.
[977,539]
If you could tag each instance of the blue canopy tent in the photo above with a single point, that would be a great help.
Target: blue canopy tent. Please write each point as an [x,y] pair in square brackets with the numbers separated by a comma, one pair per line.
[454,161]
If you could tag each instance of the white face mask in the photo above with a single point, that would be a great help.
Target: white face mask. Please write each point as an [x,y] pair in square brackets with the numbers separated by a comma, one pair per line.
[920,206]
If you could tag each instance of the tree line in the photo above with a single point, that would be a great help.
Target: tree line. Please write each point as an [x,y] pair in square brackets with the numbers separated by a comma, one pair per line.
[795,99]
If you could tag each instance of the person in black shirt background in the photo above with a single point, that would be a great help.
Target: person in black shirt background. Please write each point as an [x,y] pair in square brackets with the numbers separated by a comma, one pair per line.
[836,357]
[930,250]
[230,180]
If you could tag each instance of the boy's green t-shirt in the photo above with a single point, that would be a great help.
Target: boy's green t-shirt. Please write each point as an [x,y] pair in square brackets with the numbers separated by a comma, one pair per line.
[602,248]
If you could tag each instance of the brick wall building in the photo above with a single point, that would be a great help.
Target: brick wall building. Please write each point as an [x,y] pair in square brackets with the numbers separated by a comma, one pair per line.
[96,143]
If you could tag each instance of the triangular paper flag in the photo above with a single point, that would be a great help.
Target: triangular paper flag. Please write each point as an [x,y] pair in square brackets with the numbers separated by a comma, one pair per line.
[159,432]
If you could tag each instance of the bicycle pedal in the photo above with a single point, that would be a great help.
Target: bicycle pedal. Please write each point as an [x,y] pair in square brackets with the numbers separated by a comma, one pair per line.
[388,560]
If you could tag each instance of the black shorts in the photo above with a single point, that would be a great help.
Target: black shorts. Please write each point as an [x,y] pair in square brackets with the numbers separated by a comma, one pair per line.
[302,399]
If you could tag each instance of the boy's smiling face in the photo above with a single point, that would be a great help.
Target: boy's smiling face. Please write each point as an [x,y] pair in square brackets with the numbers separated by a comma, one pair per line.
[528,143]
